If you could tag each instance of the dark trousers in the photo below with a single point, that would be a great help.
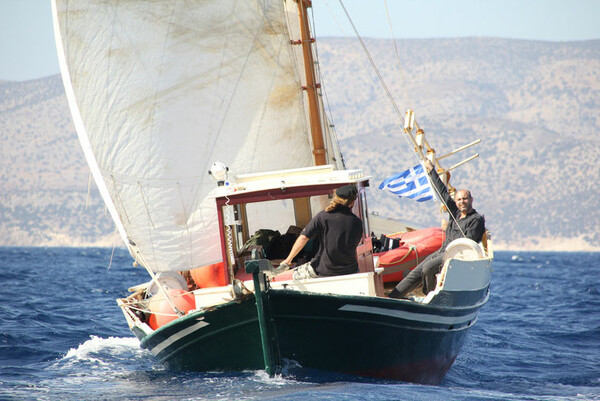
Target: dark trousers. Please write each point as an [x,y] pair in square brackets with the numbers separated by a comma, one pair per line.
[424,273]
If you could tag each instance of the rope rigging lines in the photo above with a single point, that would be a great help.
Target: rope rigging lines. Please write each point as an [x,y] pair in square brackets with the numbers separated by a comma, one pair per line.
[417,148]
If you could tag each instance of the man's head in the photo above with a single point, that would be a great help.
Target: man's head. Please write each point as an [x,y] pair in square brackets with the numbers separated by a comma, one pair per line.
[347,192]
[343,196]
[464,201]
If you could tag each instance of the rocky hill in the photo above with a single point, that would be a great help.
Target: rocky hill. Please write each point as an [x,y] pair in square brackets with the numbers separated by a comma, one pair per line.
[534,105]
[43,175]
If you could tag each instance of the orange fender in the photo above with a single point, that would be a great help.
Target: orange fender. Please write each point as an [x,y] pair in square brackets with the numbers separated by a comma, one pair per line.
[210,275]
[161,311]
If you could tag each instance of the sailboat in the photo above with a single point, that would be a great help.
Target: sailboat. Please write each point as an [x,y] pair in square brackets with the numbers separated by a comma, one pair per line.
[204,130]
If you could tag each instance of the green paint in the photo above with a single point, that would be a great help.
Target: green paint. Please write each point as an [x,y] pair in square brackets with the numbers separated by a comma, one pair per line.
[267,330]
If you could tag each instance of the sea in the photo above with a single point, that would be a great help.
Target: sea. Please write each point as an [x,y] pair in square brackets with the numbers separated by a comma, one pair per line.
[62,337]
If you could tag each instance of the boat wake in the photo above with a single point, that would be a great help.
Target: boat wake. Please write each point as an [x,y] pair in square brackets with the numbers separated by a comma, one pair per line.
[110,345]
[104,353]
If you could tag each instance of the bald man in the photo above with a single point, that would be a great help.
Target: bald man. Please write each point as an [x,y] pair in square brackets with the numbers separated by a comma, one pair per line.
[462,219]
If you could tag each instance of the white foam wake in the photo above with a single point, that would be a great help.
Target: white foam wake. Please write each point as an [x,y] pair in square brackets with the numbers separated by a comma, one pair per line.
[104,353]
[110,345]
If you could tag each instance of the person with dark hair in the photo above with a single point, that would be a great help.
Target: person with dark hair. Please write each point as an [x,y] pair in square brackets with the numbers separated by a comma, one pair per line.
[464,221]
[338,232]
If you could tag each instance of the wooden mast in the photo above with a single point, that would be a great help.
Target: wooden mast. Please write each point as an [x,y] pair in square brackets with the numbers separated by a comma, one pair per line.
[316,127]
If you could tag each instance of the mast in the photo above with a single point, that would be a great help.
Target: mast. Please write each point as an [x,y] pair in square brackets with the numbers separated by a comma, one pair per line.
[311,85]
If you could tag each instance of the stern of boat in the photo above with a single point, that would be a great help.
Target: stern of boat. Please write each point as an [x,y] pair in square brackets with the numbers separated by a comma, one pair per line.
[465,277]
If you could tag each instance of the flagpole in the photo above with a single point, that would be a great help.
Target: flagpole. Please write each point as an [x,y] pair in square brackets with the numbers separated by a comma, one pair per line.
[419,142]
[409,123]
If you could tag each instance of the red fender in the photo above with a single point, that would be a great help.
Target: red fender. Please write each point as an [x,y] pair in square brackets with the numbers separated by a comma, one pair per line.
[414,247]
[213,275]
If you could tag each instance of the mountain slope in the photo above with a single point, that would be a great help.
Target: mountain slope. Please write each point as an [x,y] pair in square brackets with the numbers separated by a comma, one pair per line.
[535,106]
[43,175]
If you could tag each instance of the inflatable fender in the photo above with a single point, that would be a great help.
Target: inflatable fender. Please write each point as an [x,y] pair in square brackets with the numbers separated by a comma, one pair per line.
[463,249]
[414,247]
[161,312]
[169,280]
[418,236]
[207,276]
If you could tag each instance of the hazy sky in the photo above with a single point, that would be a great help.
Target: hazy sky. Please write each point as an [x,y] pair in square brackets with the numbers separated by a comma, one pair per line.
[27,41]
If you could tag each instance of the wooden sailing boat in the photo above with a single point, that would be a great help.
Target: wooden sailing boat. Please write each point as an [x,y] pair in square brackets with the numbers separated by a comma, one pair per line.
[163,91]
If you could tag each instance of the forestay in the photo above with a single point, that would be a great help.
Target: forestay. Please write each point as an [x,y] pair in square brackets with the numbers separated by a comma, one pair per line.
[159,90]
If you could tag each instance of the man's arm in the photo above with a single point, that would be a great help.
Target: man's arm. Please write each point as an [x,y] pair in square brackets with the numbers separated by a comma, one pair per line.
[441,188]
[296,248]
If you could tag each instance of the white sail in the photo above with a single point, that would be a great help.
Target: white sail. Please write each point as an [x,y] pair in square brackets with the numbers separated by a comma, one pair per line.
[159,90]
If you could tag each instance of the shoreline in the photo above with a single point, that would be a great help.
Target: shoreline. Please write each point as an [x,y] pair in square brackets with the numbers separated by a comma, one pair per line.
[497,248]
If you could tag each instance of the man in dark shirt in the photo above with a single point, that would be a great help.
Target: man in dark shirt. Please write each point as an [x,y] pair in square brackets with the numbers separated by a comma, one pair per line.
[338,231]
[464,221]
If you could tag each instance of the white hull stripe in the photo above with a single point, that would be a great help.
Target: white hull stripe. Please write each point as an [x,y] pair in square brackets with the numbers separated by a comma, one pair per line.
[419,317]
[177,336]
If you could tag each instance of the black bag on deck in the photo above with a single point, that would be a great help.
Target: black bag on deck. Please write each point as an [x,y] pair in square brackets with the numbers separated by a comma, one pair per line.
[281,246]
[262,237]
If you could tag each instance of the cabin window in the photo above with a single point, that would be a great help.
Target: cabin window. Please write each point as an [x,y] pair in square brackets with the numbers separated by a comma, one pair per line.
[318,203]
[275,215]
[272,226]
[241,235]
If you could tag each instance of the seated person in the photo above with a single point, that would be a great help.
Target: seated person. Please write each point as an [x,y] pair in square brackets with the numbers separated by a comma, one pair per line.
[463,221]
[338,232]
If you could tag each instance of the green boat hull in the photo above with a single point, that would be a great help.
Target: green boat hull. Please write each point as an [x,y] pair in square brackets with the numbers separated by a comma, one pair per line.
[224,338]
[356,335]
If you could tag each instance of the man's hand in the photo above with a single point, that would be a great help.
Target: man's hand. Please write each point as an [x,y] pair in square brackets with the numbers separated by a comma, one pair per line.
[296,248]
[428,165]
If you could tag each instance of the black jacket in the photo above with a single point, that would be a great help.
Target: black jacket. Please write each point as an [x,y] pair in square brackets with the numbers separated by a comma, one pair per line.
[473,225]
[338,232]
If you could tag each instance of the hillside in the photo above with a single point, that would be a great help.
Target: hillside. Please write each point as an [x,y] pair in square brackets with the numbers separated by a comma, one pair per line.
[534,105]
[43,175]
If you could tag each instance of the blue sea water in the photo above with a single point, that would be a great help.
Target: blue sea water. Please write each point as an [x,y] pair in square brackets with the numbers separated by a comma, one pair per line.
[62,337]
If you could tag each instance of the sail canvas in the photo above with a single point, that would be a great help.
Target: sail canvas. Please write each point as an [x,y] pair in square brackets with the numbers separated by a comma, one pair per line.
[160,90]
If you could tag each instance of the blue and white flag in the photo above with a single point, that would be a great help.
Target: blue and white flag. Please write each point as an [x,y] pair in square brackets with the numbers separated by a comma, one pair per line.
[412,183]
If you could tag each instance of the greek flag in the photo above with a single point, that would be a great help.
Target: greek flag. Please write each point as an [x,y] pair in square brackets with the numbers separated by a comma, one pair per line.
[412,183]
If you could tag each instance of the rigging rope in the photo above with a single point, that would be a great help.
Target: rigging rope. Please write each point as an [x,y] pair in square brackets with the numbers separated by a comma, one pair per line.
[187,226]
[400,71]
[112,254]
[379,76]
[327,120]
[394,105]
